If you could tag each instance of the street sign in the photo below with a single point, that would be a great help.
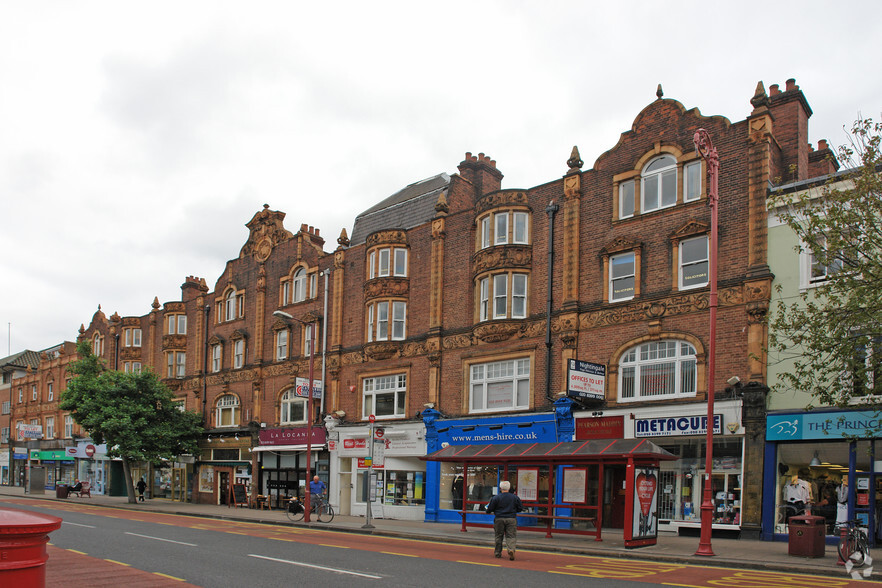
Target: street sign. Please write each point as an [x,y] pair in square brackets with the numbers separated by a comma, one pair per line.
[372,418]
[379,432]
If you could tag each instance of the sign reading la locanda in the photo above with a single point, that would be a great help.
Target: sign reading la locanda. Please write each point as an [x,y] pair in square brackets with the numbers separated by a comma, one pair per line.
[295,436]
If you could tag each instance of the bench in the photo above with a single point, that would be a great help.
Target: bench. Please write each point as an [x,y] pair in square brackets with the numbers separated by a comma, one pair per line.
[85,490]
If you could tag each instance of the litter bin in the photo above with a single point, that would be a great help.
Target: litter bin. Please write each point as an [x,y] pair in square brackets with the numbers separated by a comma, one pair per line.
[806,536]
[62,490]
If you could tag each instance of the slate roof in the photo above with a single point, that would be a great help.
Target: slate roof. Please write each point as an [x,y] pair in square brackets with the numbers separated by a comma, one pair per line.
[21,360]
[407,208]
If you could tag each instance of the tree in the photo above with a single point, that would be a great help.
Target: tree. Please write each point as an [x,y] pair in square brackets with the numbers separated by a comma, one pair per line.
[134,414]
[833,332]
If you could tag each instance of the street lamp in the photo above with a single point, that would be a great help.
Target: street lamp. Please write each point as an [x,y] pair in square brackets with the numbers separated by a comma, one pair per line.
[705,148]
[285,315]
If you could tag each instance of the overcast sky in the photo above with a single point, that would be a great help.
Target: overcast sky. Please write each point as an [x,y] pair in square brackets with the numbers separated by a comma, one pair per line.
[137,139]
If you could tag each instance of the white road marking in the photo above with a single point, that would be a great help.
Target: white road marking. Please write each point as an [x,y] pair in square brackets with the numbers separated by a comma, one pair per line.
[161,539]
[78,524]
[306,565]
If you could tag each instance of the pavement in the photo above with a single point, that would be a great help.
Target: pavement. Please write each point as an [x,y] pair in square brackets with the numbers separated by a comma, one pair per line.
[671,548]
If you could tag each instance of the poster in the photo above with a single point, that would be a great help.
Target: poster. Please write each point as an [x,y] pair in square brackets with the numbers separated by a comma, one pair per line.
[528,483]
[645,522]
[206,479]
[574,483]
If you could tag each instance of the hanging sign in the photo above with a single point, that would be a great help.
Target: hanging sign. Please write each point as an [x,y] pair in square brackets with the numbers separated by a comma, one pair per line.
[586,380]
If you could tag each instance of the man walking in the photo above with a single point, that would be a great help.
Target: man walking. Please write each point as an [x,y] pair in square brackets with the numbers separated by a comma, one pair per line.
[505,506]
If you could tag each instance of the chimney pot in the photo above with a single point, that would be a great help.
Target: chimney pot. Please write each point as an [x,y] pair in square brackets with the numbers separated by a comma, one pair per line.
[791,84]
[303,227]
[773,90]
[822,144]
[468,155]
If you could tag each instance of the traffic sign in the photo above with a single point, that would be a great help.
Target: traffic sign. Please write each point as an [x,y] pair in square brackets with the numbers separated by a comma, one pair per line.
[372,418]
[379,432]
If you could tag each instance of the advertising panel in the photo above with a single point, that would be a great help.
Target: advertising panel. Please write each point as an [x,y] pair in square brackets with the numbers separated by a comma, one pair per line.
[586,380]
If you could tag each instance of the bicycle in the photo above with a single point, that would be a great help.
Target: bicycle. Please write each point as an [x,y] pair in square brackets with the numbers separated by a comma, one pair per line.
[322,510]
[853,545]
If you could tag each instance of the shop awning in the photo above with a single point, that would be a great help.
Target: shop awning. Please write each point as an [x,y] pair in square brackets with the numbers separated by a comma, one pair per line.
[594,450]
[315,447]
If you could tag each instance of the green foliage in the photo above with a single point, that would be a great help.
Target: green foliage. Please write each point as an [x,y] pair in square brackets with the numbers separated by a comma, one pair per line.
[133,413]
[832,332]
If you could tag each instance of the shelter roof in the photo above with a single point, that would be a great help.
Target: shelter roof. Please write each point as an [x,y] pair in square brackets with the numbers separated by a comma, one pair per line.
[565,452]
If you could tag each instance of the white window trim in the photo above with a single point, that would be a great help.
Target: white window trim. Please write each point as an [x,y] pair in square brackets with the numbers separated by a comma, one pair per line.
[370,390]
[515,216]
[658,174]
[486,381]
[238,354]
[399,254]
[227,403]
[298,291]
[290,399]
[681,265]
[490,300]
[622,186]
[282,345]
[613,278]
[687,185]
[678,359]
[500,234]
[217,356]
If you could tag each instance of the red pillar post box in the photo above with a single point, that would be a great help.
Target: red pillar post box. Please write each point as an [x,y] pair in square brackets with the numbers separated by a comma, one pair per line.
[23,539]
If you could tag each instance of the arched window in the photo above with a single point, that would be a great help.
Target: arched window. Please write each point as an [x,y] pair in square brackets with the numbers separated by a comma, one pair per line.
[292,408]
[230,306]
[227,411]
[659,183]
[96,344]
[657,370]
[299,293]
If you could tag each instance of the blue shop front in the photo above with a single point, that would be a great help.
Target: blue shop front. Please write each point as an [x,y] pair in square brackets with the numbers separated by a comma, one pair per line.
[824,463]
[444,481]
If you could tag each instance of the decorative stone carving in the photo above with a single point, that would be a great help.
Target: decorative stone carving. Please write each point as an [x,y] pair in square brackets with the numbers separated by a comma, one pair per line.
[620,244]
[568,339]
[386,287]
[503,257]
[689,229]
[496,331]
[267,231]
[389,237]
[174,342]
[501,198]
[380,350]
[653,310]
[130,353]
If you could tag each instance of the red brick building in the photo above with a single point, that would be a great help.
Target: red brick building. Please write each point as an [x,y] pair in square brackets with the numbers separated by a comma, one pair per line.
[459,296]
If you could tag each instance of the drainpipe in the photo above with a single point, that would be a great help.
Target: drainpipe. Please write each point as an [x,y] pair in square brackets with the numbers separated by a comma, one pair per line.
[326,273]
[205,364]
[549,210]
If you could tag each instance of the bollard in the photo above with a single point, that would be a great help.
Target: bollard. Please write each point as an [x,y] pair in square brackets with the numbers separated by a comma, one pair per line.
[23,539]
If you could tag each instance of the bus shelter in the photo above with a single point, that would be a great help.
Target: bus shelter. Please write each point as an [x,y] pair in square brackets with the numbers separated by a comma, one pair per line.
[563,486]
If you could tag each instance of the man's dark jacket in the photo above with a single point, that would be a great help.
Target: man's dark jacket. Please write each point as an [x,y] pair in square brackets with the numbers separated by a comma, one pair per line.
[505,505]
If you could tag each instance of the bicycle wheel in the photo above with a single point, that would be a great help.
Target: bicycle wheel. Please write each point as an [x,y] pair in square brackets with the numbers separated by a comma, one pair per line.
[326,513]
[295,512]
[849,549]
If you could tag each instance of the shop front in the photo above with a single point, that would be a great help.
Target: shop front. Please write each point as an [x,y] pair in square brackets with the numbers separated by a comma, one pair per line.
[445,480]
[4,467]
[19,466]
[225,460]
[281,463]
[680,430]
[59,468]
[92,464]
[823,463]
[397,475]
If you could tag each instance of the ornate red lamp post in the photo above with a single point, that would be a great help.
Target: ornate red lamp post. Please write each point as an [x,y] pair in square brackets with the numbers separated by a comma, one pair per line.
[705,148]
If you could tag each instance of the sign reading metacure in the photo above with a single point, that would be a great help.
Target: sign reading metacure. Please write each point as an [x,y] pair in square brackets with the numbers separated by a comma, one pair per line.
[672,426]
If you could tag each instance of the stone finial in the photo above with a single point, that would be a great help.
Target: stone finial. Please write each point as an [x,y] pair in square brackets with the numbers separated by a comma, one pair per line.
[575,161]
[441,206]
[115,317]
[760,98]
[343,239]
[155,304]
[659,92]
[82,329]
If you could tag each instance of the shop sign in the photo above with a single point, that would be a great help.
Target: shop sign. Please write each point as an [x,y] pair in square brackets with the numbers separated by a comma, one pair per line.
[302,388]
[47,455]
[586,380]
[822,425]
[610,427]
[534,429]
[29,431]
[85,450]
[295,436]
[19,453]
[672,426]
[365,462]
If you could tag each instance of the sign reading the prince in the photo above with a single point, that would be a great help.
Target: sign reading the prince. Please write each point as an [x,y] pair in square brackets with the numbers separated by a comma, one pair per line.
[822,425]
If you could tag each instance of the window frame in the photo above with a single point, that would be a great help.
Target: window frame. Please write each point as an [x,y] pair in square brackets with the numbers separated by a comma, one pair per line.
[613,278]
[494,291]
[68,426]
[217,358]
[239,354]
[287,402]
[394,385]
[623,189]
[681,265]
[298,285]
[486,382]
[637,364]
[386,320]
[658,176]
[222,406]
[687,182]
[281,344]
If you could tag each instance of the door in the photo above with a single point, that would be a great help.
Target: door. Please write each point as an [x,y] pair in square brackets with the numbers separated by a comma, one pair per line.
[223,487]
[614,496]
